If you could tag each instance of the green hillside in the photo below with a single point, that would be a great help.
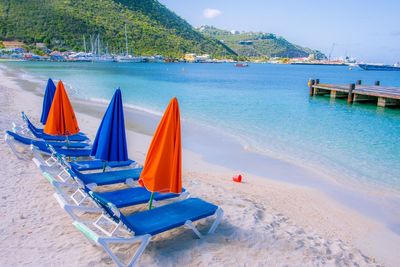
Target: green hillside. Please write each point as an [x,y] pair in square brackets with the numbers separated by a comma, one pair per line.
[62,24]
[256,44]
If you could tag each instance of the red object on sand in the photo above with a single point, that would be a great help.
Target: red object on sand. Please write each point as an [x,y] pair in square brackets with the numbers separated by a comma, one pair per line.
[237,178]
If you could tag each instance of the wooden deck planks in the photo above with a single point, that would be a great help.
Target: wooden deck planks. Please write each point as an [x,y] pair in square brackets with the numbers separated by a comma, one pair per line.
[395,91]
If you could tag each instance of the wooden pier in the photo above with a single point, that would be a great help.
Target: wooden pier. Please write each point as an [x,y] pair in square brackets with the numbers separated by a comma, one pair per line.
[383,96]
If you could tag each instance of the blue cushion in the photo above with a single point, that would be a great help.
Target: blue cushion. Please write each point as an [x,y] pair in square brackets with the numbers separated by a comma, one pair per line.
[88,165]
[40,134]
[75,138]
[69,145]
[73,152]
[111,177]
[130,196]
[20,138]
[168,217]
[40,143]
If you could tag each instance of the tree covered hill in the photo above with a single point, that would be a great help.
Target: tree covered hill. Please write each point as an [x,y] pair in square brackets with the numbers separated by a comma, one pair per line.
[256,44]
[63,24]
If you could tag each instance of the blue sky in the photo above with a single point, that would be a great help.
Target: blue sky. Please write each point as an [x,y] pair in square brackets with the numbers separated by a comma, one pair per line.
[367,30]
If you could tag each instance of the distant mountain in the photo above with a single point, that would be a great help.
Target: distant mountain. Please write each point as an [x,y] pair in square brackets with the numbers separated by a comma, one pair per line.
[256,44]
[62,24]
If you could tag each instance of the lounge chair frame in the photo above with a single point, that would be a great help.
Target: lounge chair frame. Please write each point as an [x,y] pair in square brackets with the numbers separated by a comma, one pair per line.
[10,141]
[109,238]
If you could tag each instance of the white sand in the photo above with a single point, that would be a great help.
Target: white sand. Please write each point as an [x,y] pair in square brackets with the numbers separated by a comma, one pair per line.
[266,223]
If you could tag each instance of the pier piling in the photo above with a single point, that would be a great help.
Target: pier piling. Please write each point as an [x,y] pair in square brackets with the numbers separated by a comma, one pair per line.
[352,86]
[310,85]
[377,83]
[388,102]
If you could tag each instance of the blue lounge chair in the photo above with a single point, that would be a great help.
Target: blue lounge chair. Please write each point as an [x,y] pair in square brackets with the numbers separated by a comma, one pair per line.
[73,150]
[119,198]
[28,141]
[64,170]
[80,165]
[95,164]
[38,133]
[146,224]
[109,200]
[91,180]
[130,197]
[34,128]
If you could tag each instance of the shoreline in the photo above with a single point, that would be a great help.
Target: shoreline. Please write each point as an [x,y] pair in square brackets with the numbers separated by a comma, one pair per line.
[320,211]
[327,169]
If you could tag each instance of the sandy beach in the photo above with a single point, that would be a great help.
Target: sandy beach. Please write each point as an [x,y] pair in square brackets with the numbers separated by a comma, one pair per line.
[266,222]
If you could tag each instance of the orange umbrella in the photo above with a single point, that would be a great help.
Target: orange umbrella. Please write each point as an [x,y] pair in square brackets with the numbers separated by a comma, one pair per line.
[61,119]
[162,171]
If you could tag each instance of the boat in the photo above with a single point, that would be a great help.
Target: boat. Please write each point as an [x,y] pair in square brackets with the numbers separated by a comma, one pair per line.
[319,63]
[104,58]
[380,67]
[127,58]
[241,65]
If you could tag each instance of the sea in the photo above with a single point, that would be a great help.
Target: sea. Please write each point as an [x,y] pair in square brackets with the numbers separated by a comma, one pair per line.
[263,110]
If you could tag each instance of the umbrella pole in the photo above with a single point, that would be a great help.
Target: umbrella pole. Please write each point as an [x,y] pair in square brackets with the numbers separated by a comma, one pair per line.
[104,166]
[67,145]
[151,200]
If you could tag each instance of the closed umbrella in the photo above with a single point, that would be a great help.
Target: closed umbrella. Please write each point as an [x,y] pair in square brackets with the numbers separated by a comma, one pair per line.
[110,141]
[162,171]
[47,100]
[61,120]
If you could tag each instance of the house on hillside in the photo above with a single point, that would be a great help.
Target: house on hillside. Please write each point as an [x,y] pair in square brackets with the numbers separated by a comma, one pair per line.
[190,57]
[203,58]
[40,45]
[12,44]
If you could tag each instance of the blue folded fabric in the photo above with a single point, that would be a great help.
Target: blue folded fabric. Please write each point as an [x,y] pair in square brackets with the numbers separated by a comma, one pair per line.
[107,178]
[27,141]
[95,164]
[130,196]
[74,153]
[169,216]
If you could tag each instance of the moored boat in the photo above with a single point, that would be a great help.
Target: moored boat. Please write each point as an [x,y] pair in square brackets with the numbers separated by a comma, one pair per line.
[241,65]
[380,67]
[129,59]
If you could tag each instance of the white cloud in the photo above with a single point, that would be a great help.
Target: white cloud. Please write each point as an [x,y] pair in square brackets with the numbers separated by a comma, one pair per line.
[211,13]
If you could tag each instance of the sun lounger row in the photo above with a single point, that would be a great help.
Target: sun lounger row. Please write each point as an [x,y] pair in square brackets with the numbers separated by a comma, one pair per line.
[108,182]
[83,199]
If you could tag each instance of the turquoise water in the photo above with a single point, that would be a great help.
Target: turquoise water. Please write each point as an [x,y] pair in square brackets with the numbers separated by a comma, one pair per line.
[265,107]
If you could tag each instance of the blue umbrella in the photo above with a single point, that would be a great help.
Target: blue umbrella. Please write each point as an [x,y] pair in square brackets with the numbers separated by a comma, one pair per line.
[47,100]
[110,141]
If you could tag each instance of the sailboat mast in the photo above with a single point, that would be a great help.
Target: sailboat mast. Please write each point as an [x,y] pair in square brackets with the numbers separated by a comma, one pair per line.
[126,41]
[98,45]
[91,45]
[133,49]
[84,43]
